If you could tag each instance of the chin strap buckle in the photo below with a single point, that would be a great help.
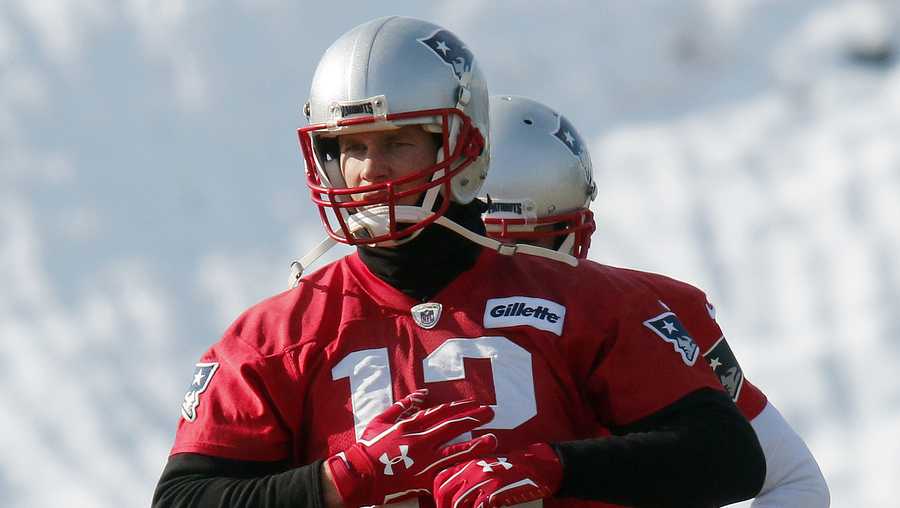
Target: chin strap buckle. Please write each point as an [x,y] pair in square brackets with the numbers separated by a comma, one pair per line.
[296,273]
[507,249]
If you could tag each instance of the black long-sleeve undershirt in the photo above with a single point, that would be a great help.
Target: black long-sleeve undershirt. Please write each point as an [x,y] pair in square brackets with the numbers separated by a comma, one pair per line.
[698,452]
[194,480]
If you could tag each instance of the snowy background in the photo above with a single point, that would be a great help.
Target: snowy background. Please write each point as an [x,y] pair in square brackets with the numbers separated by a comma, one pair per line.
[151,188]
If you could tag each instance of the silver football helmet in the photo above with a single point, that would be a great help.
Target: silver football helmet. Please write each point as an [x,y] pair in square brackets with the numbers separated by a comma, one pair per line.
[541,182]
[385,74]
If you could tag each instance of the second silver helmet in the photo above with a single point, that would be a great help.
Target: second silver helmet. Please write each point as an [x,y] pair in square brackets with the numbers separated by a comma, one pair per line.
[541,183]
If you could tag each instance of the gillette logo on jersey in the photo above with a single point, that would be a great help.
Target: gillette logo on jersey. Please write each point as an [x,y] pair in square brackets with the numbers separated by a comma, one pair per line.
[525,311]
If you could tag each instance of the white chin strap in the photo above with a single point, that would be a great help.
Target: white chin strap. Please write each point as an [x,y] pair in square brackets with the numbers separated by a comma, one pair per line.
[376,221]
[373,221]
[506,249]
[298,265]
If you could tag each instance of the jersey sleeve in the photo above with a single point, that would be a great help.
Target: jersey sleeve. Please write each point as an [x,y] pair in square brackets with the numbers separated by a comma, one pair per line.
[649,362]
[238,404]
[700,316]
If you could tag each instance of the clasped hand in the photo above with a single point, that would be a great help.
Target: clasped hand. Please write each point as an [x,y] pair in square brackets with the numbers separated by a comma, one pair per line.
[403,453]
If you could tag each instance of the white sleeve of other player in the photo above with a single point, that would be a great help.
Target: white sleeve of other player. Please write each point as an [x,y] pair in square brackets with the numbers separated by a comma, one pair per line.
[793,478]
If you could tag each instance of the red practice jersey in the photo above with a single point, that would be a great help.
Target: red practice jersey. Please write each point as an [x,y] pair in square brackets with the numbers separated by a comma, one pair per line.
[557,351]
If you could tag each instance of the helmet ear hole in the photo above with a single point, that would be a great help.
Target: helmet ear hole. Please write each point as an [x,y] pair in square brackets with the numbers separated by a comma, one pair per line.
[528,121]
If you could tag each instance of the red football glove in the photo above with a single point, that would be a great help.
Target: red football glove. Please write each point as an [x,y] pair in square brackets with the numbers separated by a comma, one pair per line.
[402,450]
[501,480]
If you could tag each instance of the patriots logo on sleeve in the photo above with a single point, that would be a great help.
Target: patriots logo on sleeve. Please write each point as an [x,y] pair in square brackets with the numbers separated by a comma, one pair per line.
[670,329]
[451,50]
[725,365]
[203,373]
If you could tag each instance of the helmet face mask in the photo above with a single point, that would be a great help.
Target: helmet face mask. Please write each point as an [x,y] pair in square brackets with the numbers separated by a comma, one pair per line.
[384,75]
[339,205]
[567,232]
[541,183]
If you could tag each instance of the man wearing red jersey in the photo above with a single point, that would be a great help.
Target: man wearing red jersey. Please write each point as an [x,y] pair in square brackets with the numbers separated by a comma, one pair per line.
[541,163]
[434,354]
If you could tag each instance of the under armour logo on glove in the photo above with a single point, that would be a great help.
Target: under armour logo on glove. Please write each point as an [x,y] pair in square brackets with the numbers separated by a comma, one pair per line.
[389,462]
[488,467]
[371,473]
[494,481]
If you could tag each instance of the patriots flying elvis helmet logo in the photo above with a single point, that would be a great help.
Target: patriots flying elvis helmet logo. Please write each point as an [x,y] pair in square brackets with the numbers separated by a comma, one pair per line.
[569,136]
[451,50]
[203,373]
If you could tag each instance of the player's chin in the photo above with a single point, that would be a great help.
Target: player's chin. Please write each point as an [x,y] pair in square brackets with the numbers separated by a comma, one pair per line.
[411,200]
[374,197]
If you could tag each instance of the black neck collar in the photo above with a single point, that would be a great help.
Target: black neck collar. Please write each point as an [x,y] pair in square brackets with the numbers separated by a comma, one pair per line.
[423,266]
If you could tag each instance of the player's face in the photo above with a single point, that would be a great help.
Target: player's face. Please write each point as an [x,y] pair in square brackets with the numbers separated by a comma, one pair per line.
[375,157]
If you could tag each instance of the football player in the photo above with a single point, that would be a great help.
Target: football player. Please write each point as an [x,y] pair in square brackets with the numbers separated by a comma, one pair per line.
[539,192]
[433,354]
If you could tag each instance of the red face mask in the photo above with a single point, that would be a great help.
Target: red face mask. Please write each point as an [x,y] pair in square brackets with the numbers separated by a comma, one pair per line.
[353,220]
[580,223]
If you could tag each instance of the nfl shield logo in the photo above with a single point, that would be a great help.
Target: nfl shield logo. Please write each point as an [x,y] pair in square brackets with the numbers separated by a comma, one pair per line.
[426,315]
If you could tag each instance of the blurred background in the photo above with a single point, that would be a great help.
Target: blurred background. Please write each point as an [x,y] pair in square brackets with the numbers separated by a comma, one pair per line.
[151,188]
